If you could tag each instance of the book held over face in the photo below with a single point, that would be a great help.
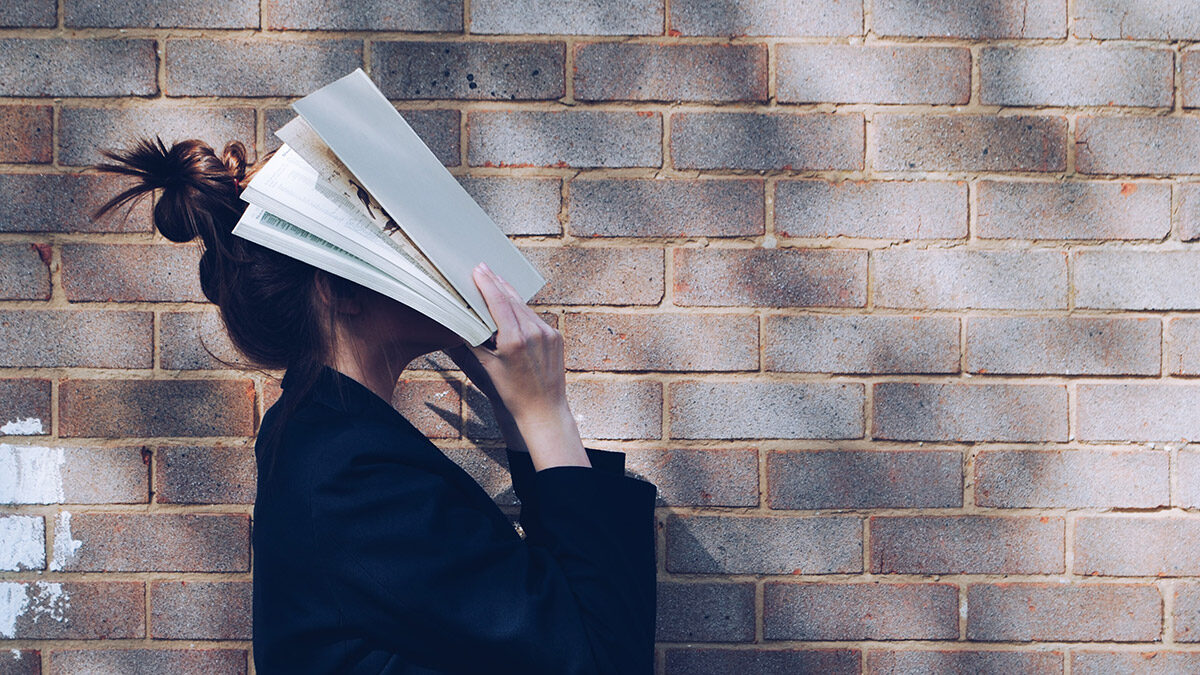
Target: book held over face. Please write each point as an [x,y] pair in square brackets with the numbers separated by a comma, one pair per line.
[354,191]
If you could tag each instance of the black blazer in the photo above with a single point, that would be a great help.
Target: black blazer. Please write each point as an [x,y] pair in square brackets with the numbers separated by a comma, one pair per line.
[376,553]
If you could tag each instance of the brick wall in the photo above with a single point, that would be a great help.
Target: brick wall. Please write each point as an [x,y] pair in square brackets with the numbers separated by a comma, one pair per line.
[893,299]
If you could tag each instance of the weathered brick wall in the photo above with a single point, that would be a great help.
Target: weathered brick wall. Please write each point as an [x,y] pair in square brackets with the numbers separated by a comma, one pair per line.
[893,299]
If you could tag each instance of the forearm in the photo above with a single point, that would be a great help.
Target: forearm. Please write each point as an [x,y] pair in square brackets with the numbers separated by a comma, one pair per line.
[551,437]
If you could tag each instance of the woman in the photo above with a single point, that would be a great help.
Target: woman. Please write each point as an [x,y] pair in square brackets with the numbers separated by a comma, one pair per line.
[374,552]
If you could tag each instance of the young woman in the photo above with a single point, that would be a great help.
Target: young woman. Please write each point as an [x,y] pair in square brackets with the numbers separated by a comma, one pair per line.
[373,551]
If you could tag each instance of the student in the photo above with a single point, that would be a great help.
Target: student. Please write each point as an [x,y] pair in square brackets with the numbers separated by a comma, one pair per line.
[373,551]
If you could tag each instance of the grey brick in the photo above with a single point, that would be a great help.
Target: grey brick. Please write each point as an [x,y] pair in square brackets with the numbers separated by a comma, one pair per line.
[77,67]
[1139,662]
[24,271]
[1137,545]
[704,612]
[1183,346]
[204,475]
[160,14]
[24,407]
[64,202]
[1188,469]
[389,15]
[1138,412]
[861,344]
[1137,145]
[1188,223]
[699,476]
[1025,612]
[967,545]
[665,208]
[469,70]
[714,661]
[1187,612]
[131,272]
[1137,279]
[1077,76]
[1074,210]
[604,409]
[764,545]
[576,138]
[970,143]
[770,277]
[869,74]
[766,410]
[182,661]
[1063,345]
[972,18]
[670,72]
[864,479]
[619,17]
[956,662]
[1189,79]
[598,276]
[65,338]
[1097,478]
[201,610]
[84,131]
[736,140]
[520,206]
[874,209]
[970,279]
[792,18]
[195,341]
[910,411]
[29,14]
[247,67]
[665,342]
[1137,19]
[859,611]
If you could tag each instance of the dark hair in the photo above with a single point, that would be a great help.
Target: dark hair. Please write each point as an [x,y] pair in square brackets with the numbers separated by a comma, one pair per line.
[270,304]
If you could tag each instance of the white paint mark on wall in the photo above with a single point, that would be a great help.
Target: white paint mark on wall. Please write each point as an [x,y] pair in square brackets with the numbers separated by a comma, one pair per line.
[65,547]
[16,654]
[30,426]
[22,543]
[30,474]
[38,599]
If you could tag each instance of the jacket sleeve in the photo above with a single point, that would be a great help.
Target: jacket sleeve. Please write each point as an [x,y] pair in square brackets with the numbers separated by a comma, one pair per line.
[520,466]
[418,566]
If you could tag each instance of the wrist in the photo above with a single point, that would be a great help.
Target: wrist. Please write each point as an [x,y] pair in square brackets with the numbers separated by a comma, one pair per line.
[552,437]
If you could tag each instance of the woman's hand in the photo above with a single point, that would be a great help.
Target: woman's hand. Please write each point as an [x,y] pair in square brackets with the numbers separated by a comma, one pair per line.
[465,359]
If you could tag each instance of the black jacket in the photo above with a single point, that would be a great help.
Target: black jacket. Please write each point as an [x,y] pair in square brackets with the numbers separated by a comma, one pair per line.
[376,553]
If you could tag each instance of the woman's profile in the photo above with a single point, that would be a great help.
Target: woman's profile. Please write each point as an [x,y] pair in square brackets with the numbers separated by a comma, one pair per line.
[373,551]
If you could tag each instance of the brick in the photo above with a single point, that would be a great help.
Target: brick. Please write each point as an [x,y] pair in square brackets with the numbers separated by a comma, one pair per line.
[763,545]
[200,610]
[179,661]
[705,612]
[195,341]
[77,67]
[598,276]
[57,338]
[22,542]
[520,206]
[175,14]
[21,662]
[414,15]
[29,14]
[1134,663]
[789,277]
[917,662]
[1093,478]
[127,542]
[603,409]
[73,475]
[666,208]
[64,202]
[790,18]
[1025,612]
[1187,612]
[874,210]
[860,344]
[914,411]
[469,70]
[489,468]
[1189,79]
[721,661]
[615,71]
[1137,545]
[859,611]
[240,67]
[971,18]
[970,143]
[970,279]
[1136,279]
[699,476]
[1063,345]
[1188,223]
[1077,76]
[1137,412]
[869,74]
[132,272]
[761,141]
[662,342]
[1188,469]
[967,545]
[124,408]
[24,407]
[84,131]
[565,138]
[432,406]
[1137,19]
[25,133]
[864,479]
[624,17]
[1076,210]
[766,409]
[438,129]
[205,475]
[1137,145]
[25,271]
[78,610]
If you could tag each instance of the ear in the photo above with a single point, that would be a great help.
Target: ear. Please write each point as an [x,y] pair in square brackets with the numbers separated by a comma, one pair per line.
[340,295]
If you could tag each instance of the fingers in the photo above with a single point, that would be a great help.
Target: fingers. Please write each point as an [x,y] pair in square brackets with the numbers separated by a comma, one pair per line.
[499,303]
[529,319]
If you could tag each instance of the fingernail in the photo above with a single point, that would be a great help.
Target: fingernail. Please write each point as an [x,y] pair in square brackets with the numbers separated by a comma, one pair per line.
[485,267]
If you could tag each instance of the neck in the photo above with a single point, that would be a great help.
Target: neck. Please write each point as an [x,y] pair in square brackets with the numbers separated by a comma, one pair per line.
[377,369]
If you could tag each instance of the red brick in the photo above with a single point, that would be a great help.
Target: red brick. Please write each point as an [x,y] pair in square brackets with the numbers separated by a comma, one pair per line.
[699,476]
[21,662]
[131,273]
[50,338]
[77,67]
[124,408]
[763,545]
[1076,210]
[200,610]
[64,202]
[76,610]
[705,612]
[1138,412]
[721,661]
[469,70]
[970,279]
[972,18]
[770,277]
[864,479]
[871,209]
[616,71]
[423,15]
[205,475]
[1134,663]
[788,141]
[432,406]
[917,662]
[1093,478]
[1025,612]
[1137,545]
[1137,145]
[177,14]
[906,142]
[1076,75]
[25,271]
[24,407]
[83,132]
[75,475]
[873,74]
[256,67]
[826,410]
[175,661]
[662,342]
[598,276]
[666,208]
[913,411]
[1137,19]
[859,611]
[1187,611]
[861,344]
[1063,345]
[792,18]
[125,542]
[967,545]
[25,133]
[565,138]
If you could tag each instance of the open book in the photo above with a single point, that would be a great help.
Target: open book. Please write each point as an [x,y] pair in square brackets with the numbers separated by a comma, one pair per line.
[354,191]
